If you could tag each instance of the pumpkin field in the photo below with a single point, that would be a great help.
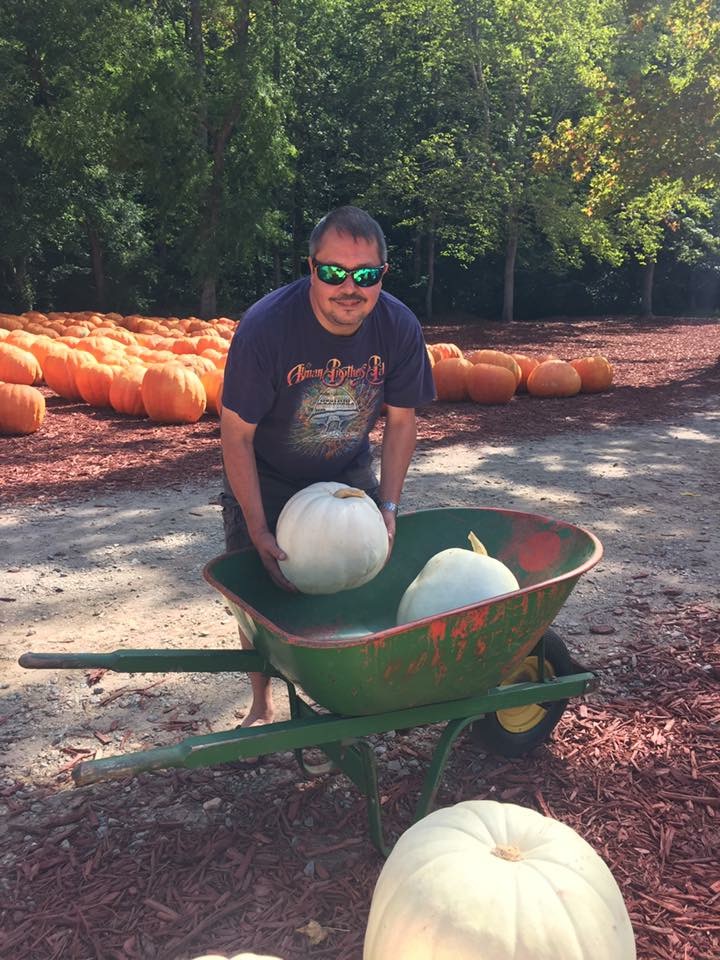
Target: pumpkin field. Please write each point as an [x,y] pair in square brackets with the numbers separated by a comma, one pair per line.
[84,444]
[108,517]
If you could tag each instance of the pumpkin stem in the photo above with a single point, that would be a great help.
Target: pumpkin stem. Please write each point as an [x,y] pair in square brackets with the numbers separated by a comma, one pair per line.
[476,544]
[346,492]
[507,853]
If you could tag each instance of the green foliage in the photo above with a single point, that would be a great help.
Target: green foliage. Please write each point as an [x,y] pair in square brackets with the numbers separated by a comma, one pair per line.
[173,155]
[648,150]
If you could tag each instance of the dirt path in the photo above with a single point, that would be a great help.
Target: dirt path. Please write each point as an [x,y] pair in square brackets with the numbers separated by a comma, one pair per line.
[125,572]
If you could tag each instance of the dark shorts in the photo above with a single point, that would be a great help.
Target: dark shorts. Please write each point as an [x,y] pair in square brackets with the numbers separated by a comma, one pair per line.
[275,494]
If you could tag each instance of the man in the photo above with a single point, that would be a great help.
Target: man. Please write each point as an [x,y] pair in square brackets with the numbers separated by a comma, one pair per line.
[308,371]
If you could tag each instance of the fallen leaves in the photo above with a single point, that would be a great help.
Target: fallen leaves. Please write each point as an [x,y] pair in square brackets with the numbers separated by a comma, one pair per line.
[314,932]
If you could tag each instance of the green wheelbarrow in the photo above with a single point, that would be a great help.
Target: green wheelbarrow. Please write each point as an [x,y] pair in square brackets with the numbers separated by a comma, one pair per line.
[350,672]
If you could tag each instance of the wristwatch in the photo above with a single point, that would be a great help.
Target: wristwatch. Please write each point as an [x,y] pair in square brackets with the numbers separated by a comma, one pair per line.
[389,505]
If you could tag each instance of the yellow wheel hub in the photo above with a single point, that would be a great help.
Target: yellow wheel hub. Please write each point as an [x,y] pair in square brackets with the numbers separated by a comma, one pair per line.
[522,719]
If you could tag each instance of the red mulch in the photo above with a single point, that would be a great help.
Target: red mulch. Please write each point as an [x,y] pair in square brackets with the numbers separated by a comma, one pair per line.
[139,871]
[662,367]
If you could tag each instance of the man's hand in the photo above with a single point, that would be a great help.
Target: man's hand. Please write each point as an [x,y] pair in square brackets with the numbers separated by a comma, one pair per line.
[389,518]
[267,546]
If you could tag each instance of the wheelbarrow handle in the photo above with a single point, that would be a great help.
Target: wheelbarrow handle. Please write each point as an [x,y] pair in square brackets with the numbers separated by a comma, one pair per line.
[130,765]
[152,661]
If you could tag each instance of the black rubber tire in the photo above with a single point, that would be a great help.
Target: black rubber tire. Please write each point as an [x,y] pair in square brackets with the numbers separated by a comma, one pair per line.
[490,734]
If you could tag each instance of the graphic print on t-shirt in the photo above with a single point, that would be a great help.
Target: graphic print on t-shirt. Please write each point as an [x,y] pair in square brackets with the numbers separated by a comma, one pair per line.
[337,407]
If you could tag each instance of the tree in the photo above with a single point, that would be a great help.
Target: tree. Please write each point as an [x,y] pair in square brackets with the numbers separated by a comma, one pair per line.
[649,151]
[437,180]
[220,75]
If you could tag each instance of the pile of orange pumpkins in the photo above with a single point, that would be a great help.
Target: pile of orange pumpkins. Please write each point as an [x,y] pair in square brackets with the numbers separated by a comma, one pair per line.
[169,369]
[492,376]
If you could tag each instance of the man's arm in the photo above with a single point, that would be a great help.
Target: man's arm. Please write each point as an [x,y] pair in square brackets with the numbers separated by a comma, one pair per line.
[398,445]
[241,469]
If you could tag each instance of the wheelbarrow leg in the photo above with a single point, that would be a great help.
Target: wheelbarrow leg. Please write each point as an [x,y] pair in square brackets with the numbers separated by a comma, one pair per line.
[435,771]
[298,710]
[353,757]
[367,770]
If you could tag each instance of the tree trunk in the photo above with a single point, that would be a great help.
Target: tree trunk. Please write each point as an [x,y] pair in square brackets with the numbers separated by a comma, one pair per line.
[277,267]
[508,307]
[417,258]
[98,269]
[298,239]
[208,298]
[16,271]
[214,199]
[198,50]
[430,275]
[648,277]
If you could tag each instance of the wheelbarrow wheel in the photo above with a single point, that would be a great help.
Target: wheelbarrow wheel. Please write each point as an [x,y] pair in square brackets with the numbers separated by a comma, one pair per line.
[518,730]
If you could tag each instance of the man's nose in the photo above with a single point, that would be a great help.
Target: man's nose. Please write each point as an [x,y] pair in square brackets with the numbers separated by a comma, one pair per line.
[349,284]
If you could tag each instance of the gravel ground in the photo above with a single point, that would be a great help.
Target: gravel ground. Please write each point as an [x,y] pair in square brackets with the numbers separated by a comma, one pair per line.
[126,571]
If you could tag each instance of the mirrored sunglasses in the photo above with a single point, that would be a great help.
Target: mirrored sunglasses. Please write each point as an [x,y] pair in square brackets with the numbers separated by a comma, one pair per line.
[334,275]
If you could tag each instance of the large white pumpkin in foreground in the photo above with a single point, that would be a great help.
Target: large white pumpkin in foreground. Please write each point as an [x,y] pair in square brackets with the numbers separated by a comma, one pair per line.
[495,881]
[334,536]
[237,956]
[455,578]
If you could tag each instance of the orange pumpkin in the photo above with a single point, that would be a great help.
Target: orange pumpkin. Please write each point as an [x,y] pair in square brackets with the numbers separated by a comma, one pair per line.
[20,338]
[499,359]
[218,358]
[35,316]
[125,394]
[450,376]
[172,393]
[40,348]
[120,335]
[94,382]
[527,365]
[18,365]
[77,330]
[211,341]
[99,346]
[596,373]
[554,378]
[490,383]
[145,325]
[58,375]
[9,322]
[200,365]
[212,380]
[22,408]
[198,326]
[79,358]
[444,351]
[183,345]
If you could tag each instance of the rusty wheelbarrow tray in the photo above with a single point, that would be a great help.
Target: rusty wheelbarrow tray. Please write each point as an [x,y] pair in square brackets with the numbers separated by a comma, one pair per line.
[496,666]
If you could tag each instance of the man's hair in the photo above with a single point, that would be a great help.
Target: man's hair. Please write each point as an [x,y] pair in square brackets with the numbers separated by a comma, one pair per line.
[352,220]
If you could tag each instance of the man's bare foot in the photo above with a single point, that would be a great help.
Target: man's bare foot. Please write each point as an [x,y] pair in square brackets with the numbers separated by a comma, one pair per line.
[258,718]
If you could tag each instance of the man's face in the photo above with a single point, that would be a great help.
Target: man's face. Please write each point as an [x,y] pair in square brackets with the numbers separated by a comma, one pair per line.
[341,309]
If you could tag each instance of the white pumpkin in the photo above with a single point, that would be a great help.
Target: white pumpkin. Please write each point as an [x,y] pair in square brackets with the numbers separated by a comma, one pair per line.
[496,881]
[334,536]
[237,956]
[455,578]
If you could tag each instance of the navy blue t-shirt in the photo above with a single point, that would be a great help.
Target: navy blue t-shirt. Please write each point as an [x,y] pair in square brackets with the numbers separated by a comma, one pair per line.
[315,396]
